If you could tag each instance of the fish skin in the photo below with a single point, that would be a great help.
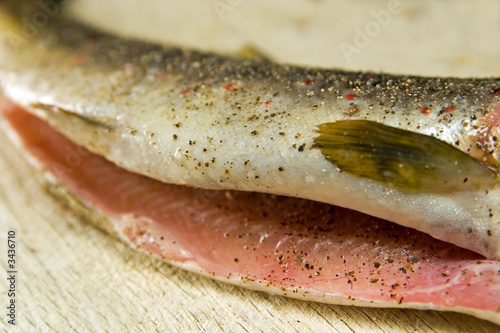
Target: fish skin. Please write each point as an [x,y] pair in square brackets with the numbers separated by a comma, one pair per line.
[294,247]
[215,122]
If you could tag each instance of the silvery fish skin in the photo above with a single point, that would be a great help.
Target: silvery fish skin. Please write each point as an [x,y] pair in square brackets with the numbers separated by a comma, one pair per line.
[247,124]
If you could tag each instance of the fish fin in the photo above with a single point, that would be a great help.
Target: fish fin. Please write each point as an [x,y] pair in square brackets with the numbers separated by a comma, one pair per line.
[399,158]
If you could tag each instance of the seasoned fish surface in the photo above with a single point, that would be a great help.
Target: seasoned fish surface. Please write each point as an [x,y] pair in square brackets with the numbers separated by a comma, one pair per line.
[293,247]
[216,122]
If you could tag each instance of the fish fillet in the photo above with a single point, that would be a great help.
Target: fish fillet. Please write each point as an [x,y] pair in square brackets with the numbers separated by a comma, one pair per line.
[216,122]
[289,246]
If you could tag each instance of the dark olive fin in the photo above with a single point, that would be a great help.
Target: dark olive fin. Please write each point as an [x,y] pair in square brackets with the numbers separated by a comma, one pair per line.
[401,159]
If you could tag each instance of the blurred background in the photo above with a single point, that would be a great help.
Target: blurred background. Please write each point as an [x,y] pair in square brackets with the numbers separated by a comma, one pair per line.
[428,37]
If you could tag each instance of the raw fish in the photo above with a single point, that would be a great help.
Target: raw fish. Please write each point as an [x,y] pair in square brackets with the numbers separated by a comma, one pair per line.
[217,122]
[288,246]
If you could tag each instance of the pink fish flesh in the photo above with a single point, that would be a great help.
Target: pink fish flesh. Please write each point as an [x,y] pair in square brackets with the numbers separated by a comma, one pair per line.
[295,247]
